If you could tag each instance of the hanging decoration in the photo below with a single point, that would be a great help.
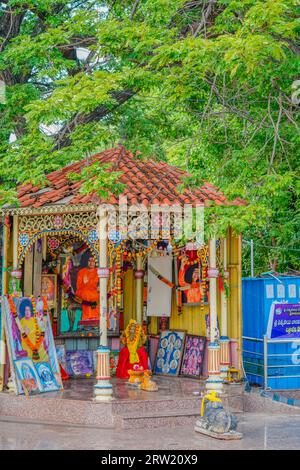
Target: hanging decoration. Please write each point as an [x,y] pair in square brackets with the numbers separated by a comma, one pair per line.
[118,280]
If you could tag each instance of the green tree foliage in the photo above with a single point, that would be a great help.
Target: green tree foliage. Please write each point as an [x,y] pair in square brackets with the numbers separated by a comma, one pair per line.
[207,85]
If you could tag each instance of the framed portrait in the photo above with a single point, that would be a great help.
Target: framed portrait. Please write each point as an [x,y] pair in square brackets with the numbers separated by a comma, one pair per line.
[78,316]
[153,343]
[169,353]
[188,277]
[113,362]
[80,363]
[192,360]
[61,355]
[113,322]
[28,376]
[46,376]
[115,344]
[38,344]
[49,289]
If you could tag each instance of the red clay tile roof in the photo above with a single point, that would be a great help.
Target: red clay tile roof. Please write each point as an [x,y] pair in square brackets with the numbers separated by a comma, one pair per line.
[147,182]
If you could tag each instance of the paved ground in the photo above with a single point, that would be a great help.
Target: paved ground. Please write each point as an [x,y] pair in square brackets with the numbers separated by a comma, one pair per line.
[260,432]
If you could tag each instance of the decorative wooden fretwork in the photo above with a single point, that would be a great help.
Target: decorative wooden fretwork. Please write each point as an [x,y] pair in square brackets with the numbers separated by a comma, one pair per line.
[82,222]
[80,225]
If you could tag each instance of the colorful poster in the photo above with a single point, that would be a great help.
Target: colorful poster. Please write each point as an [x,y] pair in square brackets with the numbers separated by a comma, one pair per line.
[153,347]
[29,335]
[192,361]
[189,278]
[79,293]
[169,353]
[113,320]
[61,355]
[113,362]
[115,344]
[284,321]
[28,376]
[46,376]
[80,363]
[49,289]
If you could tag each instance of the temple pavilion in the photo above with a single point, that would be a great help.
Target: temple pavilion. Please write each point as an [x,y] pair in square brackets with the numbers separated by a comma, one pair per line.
[56,229]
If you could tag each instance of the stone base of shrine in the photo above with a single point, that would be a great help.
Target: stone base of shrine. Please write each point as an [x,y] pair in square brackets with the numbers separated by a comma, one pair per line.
[177,402]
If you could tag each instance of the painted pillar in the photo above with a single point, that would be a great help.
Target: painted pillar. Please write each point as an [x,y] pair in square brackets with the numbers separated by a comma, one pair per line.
[15,241]
[103,387]
[139,274]
[214,381]
[5,229]
[234,255]
[6,232]
[224,340]
[16,273]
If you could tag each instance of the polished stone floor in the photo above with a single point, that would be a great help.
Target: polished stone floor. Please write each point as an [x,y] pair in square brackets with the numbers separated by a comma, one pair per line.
[175,387]
[260,431]
[168,387]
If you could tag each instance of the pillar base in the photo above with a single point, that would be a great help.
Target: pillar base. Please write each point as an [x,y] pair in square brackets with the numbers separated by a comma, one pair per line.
[214,381]
[103,388]
[103,391]
[225,357]
[224,373]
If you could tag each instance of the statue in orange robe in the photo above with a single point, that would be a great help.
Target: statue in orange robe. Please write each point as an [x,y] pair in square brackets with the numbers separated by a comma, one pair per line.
[88,290]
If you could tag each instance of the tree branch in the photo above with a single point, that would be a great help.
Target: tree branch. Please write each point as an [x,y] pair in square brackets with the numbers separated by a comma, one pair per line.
[134,9]
[63,139]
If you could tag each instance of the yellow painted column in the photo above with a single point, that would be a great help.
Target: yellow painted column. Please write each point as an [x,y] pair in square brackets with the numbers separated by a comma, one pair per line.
[235,299]
[15,240]
[16,273]
[214,381]
[139,274]
[5,255]
[5,233]
[224,340]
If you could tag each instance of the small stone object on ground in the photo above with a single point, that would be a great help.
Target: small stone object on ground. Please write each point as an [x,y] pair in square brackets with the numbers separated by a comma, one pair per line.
[215,420]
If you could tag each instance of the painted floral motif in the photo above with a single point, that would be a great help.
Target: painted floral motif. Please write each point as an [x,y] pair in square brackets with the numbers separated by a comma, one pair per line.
[93,237]
[23,239]
[58,222]
[53,243]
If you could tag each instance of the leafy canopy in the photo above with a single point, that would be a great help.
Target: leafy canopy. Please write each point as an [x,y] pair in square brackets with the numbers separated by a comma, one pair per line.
[209,86]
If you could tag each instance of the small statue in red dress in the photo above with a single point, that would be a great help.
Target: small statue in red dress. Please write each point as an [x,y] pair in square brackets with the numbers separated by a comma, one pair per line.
[134,353]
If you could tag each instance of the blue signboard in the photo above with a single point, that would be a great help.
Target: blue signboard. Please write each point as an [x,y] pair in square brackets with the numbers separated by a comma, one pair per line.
[284,321]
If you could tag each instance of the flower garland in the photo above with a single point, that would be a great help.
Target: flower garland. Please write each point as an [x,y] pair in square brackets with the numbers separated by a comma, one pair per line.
[188,262]
[132,344]
[118,280]
[133,254]
[202,253]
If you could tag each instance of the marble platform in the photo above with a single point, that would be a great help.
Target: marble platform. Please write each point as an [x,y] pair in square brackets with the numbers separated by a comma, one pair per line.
[177,402]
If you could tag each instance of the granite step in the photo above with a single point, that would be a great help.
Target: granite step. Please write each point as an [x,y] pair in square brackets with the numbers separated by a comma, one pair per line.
[150,403]
[157,419]
[158,405]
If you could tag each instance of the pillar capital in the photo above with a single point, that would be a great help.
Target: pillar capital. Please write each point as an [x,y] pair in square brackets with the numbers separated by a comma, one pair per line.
[212,273]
